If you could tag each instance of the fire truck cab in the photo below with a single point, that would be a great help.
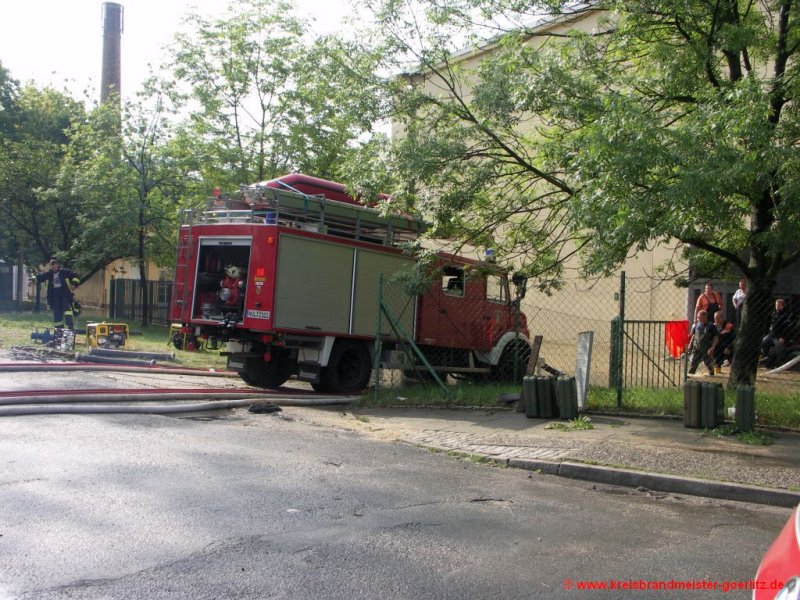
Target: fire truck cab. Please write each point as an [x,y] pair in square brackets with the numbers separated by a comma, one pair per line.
[287,274]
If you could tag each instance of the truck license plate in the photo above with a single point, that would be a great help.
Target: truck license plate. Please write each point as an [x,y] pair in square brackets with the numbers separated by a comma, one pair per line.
[258,314]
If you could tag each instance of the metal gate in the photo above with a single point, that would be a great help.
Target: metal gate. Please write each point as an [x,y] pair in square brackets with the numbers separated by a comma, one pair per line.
[646,360]
[125,300]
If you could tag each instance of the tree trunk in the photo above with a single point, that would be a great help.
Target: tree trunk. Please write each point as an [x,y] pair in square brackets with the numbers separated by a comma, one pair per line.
[145,299]
[756,313]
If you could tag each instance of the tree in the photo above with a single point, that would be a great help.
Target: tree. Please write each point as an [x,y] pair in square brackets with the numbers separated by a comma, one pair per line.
[33,126]
[128,169]
[267,97]
[9,92]
[664,121]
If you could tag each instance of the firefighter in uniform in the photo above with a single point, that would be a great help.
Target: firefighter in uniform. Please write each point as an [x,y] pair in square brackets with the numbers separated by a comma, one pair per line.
[60,299]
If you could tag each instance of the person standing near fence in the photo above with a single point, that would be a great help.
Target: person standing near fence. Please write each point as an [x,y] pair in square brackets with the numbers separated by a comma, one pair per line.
[704,342]
[60,298]
[727,335]
[738,301]
[710,301]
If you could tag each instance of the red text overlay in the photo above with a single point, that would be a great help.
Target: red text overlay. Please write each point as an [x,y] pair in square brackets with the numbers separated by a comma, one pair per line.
[670,585]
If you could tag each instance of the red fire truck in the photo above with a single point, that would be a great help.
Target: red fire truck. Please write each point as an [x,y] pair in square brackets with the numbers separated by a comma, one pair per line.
[286,273]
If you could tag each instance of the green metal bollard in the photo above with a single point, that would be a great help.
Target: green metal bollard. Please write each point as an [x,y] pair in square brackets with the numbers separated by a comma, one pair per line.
[531,399]
[712,403]
[567,397]
[691,404]
[546,396]
[745,408]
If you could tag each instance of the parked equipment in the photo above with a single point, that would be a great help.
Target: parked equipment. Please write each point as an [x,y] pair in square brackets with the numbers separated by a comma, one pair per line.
[107,335]
[60,339]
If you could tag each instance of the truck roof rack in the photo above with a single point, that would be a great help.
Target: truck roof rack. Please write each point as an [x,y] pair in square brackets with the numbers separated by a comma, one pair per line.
[262,204]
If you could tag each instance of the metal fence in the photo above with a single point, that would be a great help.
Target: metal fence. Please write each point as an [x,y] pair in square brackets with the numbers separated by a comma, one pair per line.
[125,300]
[640,331]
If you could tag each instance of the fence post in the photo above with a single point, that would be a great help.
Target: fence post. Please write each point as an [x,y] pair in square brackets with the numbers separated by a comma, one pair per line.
[112,299]
[516,339]
[378,340]
[613,361]
[621,340]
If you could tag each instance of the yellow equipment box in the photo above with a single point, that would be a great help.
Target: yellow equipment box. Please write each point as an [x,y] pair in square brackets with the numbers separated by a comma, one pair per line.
[107,335]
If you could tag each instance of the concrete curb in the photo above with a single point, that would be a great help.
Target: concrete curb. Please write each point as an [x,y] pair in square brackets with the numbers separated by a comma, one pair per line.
[662,483]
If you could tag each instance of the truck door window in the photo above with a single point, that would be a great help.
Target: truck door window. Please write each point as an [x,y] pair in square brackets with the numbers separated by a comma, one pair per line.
[453,281]
[496,289]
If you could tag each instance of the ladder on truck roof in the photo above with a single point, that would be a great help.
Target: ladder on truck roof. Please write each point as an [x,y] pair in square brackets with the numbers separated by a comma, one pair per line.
[291,208]
[183,260]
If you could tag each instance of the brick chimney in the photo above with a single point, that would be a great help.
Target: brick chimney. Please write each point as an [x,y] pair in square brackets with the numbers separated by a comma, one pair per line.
[111,81]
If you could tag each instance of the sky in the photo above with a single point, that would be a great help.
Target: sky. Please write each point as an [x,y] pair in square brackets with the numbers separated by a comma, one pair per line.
[59,42]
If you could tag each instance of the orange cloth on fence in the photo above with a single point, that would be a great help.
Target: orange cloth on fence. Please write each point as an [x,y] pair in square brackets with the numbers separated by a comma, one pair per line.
[676,334]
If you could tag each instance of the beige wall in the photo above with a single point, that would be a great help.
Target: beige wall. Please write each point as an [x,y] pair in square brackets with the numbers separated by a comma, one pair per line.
[94,291]
[580,305]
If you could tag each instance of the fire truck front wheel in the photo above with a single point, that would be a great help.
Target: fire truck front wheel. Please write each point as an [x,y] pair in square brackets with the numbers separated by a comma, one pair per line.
[519,352]
[348,368]
[271,374]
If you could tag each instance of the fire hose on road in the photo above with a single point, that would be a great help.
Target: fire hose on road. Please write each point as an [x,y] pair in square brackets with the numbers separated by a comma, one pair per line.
[20,367]
[20,403]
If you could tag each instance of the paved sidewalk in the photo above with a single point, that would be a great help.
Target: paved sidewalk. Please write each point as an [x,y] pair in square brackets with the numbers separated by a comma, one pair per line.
[659,454]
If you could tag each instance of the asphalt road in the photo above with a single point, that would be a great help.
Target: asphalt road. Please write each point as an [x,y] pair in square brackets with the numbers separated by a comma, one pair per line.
[267,506]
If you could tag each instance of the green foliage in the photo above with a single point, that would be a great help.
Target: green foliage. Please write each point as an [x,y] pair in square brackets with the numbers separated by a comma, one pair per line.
[35,216]
[756,438]
[268,98]
[9,91]
[636,124]
[126,168]
[580,423]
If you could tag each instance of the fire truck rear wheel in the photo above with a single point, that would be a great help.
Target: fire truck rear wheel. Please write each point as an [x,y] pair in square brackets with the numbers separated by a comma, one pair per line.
[271,374]
[348,369]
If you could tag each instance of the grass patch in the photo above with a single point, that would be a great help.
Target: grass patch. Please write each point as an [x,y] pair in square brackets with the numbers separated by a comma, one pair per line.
[478,459]
[16,329]
[362,418]
[580,423]
[639,400]
[772,410]
[756,438]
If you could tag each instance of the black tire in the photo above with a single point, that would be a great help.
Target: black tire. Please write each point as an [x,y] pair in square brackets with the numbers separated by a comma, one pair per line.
[348,369]
[503,371]
[272,374]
